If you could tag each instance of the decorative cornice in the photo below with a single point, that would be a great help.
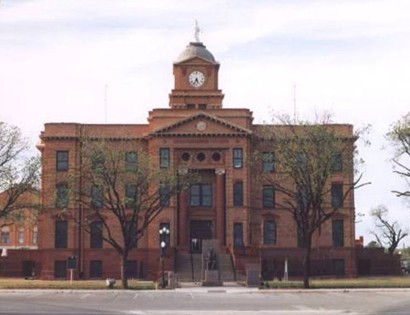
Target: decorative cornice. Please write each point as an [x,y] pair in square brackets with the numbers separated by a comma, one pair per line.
[92,138]
[200,135]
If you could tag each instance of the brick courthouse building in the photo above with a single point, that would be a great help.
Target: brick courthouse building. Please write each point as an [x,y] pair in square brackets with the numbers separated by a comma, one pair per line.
[226,205]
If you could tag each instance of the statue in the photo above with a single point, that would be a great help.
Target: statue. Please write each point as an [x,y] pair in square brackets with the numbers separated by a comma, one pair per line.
[211,259]
[197,30]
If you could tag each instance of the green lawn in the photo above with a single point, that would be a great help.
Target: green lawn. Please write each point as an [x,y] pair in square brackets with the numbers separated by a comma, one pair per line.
[362,282]
[14,283]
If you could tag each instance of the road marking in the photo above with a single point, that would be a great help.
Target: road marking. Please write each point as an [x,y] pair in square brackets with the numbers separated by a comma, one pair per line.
[248,312]
[135,296]
[85,296]
[34,295]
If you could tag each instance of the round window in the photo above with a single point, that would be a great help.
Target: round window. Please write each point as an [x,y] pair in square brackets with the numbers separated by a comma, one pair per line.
[216,156]
[200,157]
[185,156]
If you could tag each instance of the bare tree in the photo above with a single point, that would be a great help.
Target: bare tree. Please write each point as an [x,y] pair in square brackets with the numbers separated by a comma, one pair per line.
[18,172]
[388,234]
[308,155]
[399,135]
[120,187]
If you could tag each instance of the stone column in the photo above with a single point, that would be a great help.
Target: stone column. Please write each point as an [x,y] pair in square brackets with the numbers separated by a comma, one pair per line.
[220,209]
[183,217]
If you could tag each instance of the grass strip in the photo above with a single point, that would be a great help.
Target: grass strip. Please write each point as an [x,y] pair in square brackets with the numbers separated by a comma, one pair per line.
[12,283]
[345,283]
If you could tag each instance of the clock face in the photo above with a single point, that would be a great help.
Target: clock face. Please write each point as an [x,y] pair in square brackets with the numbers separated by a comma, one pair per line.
[196,78]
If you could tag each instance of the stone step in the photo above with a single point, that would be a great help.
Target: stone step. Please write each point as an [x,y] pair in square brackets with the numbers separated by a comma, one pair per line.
[188,267]
[185,262]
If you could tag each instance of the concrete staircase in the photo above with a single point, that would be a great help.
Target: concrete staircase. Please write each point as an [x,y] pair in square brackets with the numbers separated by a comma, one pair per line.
[189,267]
[226,268]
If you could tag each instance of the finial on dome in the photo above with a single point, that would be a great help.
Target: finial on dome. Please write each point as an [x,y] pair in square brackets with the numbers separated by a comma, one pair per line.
[197,30]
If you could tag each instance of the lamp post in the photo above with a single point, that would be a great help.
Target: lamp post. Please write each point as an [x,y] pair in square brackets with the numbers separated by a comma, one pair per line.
[163,239]
[3,254]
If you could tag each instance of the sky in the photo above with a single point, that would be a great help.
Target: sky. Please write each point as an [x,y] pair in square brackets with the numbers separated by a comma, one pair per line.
[110,61]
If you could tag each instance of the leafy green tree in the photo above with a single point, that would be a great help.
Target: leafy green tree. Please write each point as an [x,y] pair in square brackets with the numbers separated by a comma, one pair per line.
[307,155]
[19,173]
[388,234]
[120,187]
[399,135]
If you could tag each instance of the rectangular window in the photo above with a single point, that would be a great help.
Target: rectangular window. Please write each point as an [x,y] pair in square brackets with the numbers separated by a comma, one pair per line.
[302,161]
[238,194]
[200,195]
[96,197]
[337,233]
[268,164]
[195,196]
[62,161]
[301,238]
[96,269]
[97,162]
[268,196]
[34,235]
[96,234]
[238,235]
[164,158]
[302,198]
[131,161]
[20,236]
[131,234]
[5,234]
[237,158]
[336,162]
[60,269]
[61,234]
[130,196]
[62,195]
[337,196]
[269,232]
[164,195]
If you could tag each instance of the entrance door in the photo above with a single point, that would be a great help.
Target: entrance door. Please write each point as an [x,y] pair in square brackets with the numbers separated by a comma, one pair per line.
[200,230]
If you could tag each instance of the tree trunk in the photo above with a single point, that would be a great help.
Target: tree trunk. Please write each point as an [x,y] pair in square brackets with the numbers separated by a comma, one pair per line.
[124,276]
[306,263]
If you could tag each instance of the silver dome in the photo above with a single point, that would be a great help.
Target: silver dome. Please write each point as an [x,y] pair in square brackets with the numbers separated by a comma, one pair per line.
[195,49]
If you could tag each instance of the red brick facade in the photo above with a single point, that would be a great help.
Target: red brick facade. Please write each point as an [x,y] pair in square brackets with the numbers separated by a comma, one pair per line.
[217,142]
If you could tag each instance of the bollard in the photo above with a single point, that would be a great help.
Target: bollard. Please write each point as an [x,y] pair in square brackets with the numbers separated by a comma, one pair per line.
[110,283]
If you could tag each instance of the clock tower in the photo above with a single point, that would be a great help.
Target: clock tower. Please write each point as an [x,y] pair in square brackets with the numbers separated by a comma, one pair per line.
[196,79]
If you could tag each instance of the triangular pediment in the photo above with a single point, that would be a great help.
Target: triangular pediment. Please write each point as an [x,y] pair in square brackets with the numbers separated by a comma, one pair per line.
[202,124]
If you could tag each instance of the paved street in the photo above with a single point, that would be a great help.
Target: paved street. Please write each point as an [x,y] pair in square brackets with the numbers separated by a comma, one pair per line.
[200,301]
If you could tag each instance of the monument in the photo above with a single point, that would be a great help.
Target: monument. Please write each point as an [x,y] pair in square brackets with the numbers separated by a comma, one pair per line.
[211,276]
